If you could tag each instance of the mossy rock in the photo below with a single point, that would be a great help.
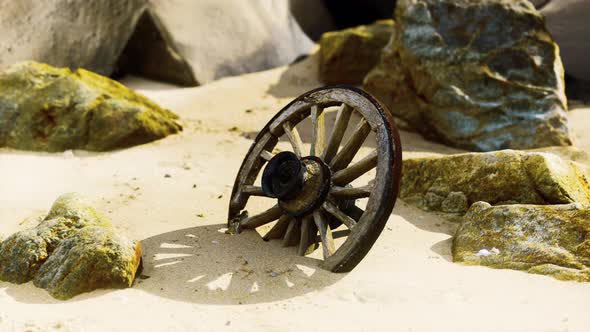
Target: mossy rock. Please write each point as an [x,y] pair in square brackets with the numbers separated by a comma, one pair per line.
[346,56]
[498,177]
[74,249]
[479,75]
[552,240]
[23,253]
[92,258]
[43,108]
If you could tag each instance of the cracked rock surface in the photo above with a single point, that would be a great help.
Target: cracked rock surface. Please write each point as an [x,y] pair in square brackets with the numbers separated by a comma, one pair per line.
[479,75]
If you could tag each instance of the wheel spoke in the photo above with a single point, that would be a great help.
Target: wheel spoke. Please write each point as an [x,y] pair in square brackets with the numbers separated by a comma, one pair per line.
[307,239]
[354,143]
[325,234]
[253,190]
[266,155]
[292,233]
[265,217]
[278,230]
[294,138]
[336,212]
[340,126]
[344,193]
[318,140]
[354,171]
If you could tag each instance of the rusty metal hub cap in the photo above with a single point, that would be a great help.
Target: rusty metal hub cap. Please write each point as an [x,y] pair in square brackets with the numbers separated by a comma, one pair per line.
[300,184]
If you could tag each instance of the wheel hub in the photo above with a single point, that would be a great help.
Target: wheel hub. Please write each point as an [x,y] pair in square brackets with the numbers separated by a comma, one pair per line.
[299,184]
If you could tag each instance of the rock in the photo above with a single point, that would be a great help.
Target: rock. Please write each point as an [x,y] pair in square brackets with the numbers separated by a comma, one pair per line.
[51,109]
[74,249]
[313,17]
[92,258]
[552,240]
[567,22]
[77,208]
[151,52]
[23,253]
[451,183]
[479,75]
[66,33]
[346,56]
[455,202]
[232,37]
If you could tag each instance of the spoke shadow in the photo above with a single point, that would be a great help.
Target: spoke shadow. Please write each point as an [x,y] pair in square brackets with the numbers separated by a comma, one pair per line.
[204,265]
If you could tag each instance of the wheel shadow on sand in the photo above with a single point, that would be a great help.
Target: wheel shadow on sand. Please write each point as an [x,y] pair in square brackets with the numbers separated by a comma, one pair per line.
[430,222]
[205,265]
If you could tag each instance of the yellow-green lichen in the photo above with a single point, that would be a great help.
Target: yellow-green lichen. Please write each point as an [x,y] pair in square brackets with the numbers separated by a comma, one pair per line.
[72,250]
[50,109]
[543,239]
[499,177]
[346,56]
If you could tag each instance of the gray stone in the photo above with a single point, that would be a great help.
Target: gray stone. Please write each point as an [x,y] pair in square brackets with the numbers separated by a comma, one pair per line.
[567,20]
[67,33]
[480,75]
[220,38]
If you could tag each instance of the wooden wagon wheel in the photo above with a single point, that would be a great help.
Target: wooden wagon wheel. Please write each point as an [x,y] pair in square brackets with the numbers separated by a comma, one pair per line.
[313,192]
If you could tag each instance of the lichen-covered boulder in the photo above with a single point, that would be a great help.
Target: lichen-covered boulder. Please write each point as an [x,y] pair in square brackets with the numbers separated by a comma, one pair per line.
[92,258]
[44,108]
[346,56]
[23,253]
[480,75]
[552,240]
[452,183]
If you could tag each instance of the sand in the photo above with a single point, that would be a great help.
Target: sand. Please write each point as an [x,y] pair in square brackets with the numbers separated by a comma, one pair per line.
[173,195]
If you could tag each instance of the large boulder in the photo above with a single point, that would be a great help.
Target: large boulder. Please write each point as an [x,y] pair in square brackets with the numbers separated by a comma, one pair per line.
[480,75]
[221,38]
[452,183]
[346,56]
[92,258]
[66,33]
[552,240]
[54,109]
[567,20]
[74,249]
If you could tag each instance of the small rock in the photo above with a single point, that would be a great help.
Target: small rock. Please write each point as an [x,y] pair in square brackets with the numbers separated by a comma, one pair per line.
[23,253]
[167,175]
[92,258]
[543,239]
